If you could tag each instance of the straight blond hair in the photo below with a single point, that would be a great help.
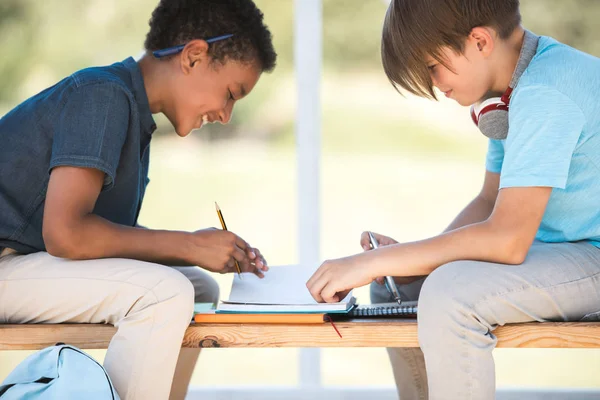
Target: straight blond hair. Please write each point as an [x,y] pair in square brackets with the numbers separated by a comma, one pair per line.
[415,29]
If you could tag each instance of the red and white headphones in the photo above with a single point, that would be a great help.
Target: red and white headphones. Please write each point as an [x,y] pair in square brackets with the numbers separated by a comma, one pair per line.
[491,115]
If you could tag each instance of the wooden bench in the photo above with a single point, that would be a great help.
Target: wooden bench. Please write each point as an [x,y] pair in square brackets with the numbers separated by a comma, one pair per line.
[357,333]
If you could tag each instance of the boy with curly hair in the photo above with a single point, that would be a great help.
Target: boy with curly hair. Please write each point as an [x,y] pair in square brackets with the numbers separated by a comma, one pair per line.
[74,171]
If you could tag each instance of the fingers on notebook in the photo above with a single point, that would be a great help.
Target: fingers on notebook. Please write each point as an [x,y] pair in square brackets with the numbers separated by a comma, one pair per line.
[316,286]
[331,294]
[332,282]
[342,295]
[315,293]
[310,285]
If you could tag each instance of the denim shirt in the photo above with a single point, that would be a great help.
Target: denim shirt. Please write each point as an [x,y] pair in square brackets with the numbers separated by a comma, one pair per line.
[96,118]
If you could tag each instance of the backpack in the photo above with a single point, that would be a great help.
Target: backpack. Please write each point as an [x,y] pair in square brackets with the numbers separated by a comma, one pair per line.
[58,372]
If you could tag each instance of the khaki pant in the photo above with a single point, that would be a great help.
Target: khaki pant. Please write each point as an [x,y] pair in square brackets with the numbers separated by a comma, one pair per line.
[150,305]
[461,303]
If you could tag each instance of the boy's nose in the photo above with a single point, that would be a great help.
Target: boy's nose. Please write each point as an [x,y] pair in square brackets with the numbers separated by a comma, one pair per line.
[224,116]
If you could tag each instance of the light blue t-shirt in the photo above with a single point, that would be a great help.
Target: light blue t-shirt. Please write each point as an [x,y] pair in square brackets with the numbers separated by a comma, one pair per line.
[554,140]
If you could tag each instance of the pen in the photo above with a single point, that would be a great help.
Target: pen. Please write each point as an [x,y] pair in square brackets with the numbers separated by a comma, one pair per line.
[237,266]
[389,281]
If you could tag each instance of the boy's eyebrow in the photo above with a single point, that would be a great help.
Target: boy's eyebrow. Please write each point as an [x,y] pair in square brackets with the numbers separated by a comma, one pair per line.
[243,90]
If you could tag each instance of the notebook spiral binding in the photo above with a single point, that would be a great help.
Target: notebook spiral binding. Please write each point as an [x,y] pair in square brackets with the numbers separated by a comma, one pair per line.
[389,311]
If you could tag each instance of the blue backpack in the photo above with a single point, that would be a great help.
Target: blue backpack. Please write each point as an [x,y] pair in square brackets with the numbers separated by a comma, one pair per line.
[59,372]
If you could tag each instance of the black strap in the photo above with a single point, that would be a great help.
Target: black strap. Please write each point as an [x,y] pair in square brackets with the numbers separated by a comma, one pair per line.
[4,389]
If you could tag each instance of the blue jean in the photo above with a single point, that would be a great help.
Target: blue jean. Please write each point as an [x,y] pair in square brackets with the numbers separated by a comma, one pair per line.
[461,303]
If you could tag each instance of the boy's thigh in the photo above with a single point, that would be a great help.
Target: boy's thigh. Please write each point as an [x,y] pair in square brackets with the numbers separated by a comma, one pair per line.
[557,281]
[40,288]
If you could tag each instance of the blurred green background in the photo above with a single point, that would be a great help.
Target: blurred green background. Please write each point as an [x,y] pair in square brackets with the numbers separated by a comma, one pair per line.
[400,166]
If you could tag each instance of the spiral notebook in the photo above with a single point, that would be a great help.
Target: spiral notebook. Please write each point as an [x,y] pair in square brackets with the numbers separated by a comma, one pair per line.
[407,309]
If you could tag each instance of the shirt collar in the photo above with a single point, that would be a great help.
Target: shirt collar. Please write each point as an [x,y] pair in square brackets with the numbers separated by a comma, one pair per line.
[139,91]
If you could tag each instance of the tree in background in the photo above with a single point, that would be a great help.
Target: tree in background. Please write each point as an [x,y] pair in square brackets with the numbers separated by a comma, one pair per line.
[18,30]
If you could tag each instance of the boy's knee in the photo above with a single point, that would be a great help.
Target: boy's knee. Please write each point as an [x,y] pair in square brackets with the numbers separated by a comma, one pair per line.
[208,292]
[178,290]
[172,290]
[449,281]
[444,294]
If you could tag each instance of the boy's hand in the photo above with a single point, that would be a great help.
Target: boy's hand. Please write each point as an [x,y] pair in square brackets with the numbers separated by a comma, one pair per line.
[216,250]
[383,241]
[335,278]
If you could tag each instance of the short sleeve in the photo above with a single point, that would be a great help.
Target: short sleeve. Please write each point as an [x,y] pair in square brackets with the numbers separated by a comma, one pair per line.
[92,128]
[495,156]
[544,129]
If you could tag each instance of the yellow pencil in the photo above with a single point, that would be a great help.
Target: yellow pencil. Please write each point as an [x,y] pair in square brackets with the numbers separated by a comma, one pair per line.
[237,266]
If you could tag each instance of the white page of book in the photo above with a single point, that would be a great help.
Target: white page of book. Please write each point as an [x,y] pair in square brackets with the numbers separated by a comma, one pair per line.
[281,285]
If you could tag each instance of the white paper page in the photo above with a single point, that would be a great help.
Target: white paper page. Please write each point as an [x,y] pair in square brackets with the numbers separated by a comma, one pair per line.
[281,285]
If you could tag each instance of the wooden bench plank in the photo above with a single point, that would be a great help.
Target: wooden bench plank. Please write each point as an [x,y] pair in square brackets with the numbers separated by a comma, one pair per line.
[39,336]
[358,333]
[550,335]
[378,333]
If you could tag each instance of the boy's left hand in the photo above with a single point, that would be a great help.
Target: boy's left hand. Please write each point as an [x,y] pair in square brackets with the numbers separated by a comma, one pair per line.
[335,278]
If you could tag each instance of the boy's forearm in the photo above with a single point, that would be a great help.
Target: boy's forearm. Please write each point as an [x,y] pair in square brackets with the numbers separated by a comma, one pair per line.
[95,237]
[480,241]
[478,210]
[456,243]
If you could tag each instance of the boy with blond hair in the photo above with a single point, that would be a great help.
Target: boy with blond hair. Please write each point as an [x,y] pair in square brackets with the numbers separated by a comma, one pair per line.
[527,247]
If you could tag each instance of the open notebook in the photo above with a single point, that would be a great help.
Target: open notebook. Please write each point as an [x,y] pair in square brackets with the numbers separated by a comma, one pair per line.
[282,290]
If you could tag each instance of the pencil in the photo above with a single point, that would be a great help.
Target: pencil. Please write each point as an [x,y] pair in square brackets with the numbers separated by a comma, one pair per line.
[220,214]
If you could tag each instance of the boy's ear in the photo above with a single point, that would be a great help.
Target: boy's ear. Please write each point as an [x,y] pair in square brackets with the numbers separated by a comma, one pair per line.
[483,39]
[195,52]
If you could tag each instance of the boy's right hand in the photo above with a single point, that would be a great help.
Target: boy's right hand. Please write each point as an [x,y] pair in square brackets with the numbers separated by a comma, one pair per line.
[215,250]
[365,243]
[383,240]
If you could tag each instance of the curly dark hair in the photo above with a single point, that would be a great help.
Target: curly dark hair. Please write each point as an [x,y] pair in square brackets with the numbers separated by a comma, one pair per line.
[176,22]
